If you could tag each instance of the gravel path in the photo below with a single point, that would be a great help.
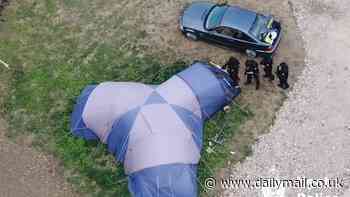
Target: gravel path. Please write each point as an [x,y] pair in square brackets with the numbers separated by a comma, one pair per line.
[311,134]
[27,173]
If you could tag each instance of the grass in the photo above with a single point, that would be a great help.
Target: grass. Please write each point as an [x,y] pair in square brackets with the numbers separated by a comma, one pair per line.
[52,59]
[215,155]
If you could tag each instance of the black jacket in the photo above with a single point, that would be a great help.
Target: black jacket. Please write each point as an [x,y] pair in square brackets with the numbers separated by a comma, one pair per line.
[232,65]
[251,68]
[282,71]
[267,61]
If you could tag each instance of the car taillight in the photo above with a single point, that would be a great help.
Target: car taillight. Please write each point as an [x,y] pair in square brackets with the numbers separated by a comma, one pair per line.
[270,49]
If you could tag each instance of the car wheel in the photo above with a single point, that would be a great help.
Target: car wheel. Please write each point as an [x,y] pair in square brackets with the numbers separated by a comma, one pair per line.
[191,36]
[250,53]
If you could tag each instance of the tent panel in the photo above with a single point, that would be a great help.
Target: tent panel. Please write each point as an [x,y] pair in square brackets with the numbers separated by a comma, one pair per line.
[117,141]
[193,123]
[78,126]
[176,91]
[155,98]
[162,118]
[139,130]
[231,88]
[206,87]
[109,101]
[158,149]
[174,180]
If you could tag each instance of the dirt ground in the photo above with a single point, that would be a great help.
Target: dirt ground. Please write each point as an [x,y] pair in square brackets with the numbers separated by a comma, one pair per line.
[28,173]
[164,39]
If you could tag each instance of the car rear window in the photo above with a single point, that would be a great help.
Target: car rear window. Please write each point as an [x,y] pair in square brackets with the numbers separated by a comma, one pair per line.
[215,16]
[259,25]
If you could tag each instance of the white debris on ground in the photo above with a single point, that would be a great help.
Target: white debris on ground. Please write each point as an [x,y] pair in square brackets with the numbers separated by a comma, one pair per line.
[311,135]
[5,64]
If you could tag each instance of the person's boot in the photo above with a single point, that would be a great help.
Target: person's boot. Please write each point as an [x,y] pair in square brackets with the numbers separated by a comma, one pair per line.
[286,86]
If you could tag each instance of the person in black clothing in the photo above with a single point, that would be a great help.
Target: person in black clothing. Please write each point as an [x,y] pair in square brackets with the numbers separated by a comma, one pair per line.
[252,71]
[232,66]
[282,74]
[267,63]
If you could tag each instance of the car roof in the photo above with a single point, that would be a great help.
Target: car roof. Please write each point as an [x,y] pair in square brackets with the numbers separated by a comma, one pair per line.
[238,18]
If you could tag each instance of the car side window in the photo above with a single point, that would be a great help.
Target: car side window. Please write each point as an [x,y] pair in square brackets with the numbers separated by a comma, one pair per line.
[225,31]
[233,33]
[243,36]
[238,34]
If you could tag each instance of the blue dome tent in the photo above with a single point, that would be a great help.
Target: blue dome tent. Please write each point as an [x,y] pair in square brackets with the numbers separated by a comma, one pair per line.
[156,131]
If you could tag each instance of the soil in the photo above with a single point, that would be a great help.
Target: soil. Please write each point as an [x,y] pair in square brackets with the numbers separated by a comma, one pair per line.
[28,173]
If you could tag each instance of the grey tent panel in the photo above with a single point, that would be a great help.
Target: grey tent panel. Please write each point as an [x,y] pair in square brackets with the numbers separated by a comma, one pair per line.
[176,91]
[139,130]
[109,101]
[163,129]
[159,149]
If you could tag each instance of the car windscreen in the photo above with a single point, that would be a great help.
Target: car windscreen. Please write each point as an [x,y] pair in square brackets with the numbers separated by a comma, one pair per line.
[215,16]
[259,26]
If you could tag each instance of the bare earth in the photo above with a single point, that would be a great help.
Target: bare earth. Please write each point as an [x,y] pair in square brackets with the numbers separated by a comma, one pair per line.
[27,173]
[311,135]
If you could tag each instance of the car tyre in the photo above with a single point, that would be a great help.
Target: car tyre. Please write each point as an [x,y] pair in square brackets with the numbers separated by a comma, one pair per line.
[191,36]
[250,53]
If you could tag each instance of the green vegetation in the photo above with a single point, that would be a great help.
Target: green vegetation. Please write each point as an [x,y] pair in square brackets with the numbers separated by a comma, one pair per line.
[215,155]
[55,50]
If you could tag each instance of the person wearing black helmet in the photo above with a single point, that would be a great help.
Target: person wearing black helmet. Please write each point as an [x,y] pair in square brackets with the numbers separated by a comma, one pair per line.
[232,67]
[252,72]
[282,73]
[267,63]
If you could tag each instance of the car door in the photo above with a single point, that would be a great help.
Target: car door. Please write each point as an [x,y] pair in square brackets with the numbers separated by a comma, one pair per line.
[223,36]
[247,42]
[257,45]
[231,38]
